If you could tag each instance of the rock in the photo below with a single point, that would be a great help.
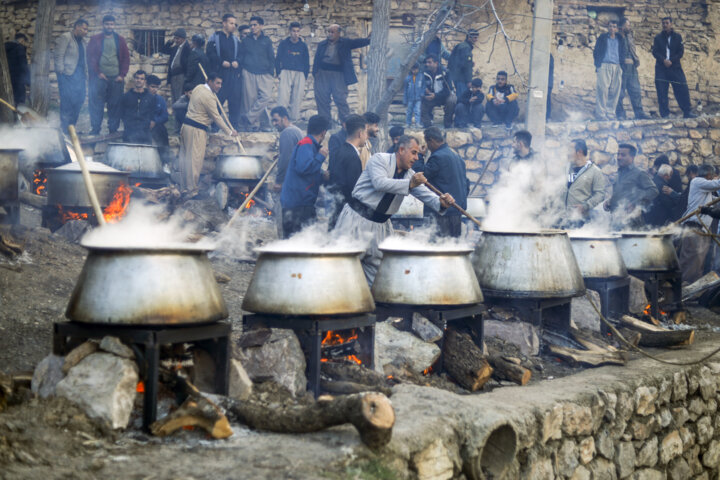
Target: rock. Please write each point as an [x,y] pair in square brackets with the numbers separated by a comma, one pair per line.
[458,138]
[240,384]
[706,147]
[602,469]
[567,458]
[680,387]
[393,345]
[205,213]
[638,299]
[704,430]
[695,135]
[425,329]
[664,392]
[433,463]
[693,459]
[581,473]
[696,408]
[642,428]
[577,420]
[687,437]
[647,455]
[78,354]
[476,133]
[648,474]
[552,424]
[670,447]
[625,459]
[678,469]
[645,400]
[279,358]
[680,416]
[104,386]
[684,145]
[583,314]
[612,146]
[116,347]
[73,230]
[711,457]
[707,384]
[522,334]
[664,418]
[540,469]
[587,450]
[46,376]
[604,444]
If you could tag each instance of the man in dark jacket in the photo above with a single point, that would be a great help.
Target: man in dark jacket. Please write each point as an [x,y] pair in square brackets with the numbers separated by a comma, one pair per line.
[608,53]
[436,47]
[138,108]
[178,50]
[630,77]
[633,191]
[445,170]
[303,178]
[71,70]
[223,51]
[108,61]
[470,110]
[333,71]
[437,93]
[16,52]
[193,74]
[345,166]
[502,105]
[292,65]
[157,124]
[668,49]
[663,208]
[258,66]
[460,65]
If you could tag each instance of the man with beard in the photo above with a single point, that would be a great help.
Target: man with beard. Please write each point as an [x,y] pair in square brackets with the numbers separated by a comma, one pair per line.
[633,191]
[372,120]
[437,93]
[223,51]
[502,106]
[585,186]
[137,109]
[71,70]
[290,135]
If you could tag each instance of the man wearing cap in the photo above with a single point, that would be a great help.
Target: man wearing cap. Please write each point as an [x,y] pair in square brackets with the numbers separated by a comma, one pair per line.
[469,109]
[460,65]
[178,50]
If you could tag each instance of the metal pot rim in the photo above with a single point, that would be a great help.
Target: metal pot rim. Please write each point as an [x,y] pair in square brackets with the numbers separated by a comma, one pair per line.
[167,248]
[545,232]
[429,250]
[64,171]
[609,236]
[320,252]
[630,234]
[239,155]
[132,145]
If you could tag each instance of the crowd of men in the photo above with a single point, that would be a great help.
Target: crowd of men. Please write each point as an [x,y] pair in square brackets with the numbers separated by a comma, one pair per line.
[616,63]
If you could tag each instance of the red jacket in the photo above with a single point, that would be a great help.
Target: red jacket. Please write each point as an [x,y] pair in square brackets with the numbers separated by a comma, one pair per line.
[94,51]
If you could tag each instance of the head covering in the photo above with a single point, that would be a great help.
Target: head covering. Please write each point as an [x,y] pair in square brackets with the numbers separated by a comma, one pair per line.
[473,32]
[476,82]
[396,131]
[180,32]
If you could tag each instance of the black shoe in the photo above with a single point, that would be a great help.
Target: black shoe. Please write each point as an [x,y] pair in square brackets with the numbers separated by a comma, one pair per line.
[641,116]
[689,115]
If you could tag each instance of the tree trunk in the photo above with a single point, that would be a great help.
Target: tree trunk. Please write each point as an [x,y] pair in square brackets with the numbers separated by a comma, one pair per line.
[6,92]
[377,54]
[464,361]
[40,68]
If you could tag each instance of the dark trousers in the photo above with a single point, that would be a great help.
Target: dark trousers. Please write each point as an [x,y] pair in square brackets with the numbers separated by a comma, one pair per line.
[297,218]
[675,76]
[230,91]
[427,106]
[447,225]
[329,83]
[503,113]
[548,108]
[460,88]
[18,86]
[469,114]
[72,96]
[160,138]
[631,84]
[105,92]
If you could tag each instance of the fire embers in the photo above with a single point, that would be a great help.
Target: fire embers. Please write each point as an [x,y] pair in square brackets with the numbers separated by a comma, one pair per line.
[39,186]
[112,213]
[341,346]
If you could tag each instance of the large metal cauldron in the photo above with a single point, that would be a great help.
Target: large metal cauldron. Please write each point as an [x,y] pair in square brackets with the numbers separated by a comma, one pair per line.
[238,167]
[432,276]
[67,188]
[598,257]
[320,282]
[9,174]
[537,264]
[648,251]
[146,286]
[140,160]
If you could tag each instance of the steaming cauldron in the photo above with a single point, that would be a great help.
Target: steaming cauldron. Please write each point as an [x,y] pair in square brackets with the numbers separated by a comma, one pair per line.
[168,285]
[141,161]
[648,251]
[598,257]
[67,188]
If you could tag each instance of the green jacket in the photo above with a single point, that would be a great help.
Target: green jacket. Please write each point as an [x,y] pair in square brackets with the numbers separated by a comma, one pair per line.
[587,190]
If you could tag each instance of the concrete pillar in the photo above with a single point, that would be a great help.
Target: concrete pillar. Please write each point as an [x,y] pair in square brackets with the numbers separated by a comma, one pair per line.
[539,69]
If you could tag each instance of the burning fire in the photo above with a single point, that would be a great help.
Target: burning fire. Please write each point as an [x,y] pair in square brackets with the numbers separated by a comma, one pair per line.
[648,310]
[335,338]
[40,182]
[66,216]
[140,388]
[250,204]
[113,213]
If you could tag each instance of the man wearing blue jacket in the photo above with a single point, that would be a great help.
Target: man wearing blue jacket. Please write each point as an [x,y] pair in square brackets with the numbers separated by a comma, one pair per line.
[157,124]
[333,71]
[292,65]
[303,178]
[223,52]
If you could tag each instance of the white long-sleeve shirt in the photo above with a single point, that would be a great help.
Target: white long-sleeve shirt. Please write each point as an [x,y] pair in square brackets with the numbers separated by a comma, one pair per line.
[700,194]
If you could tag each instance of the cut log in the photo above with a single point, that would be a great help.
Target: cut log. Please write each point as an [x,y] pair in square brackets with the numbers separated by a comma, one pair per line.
[669,338]
[464,361]
[9,245]
[37,201]
[194,412]
[371,414]
[635,324]
[506,370]
[583,357]
[701,285]
[591,344]
[355,373]
[341,387]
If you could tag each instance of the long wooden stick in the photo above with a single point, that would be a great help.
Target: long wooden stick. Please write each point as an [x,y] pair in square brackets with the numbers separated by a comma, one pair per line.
[463,211]
[487,164]
[86,176]
[10,106]
[222,112]
[252,193]
[693,213]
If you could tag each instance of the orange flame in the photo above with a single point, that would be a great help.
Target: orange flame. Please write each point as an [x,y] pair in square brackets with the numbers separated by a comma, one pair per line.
[66,216]
[648,311]
[335,338]
[119,203]
[39,182]
[428,371]
[140,387]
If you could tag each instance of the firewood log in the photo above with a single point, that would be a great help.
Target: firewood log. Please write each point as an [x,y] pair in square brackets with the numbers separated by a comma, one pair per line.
[506,370]
[464,361]
[591,358]
[341,387]
[635,324]
[354,373]
[371,414]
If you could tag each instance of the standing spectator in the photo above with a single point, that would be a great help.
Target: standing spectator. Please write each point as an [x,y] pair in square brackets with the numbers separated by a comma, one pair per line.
[630,78]
[178,49]
[372,129]
[157,124]
[470,108]
[460,64]
[502,106]
[292,65]
[522,146]
[334,72]
[437,93]
[71,70]
[585,186]
[16,52]
[303,178]
[345,167]
[137,108]
[258,65]
[609,51]
[197,58]
[290,135]
[668,49]
[445,170]
[336,141]
[223,51]
[108,63]
[412,96]
[395,133]
[243,31]
[663,208]
[633,190]
[202,111]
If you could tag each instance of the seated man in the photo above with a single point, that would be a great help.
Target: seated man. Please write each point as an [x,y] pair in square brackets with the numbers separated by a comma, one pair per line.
[437,88]
[502,106]
[470,109]
[157,124]
[137,109]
